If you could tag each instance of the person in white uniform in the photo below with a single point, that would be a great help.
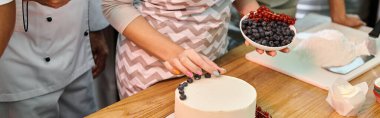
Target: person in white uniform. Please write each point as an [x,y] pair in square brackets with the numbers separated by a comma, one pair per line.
[46,70]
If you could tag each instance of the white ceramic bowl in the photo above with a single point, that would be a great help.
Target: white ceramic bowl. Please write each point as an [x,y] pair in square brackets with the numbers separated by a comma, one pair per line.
[267,48]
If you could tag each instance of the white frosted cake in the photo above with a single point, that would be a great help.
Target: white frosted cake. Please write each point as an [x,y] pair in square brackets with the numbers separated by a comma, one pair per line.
[216,97]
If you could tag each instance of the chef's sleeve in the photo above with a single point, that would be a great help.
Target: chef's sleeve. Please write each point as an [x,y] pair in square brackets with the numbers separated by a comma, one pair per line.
[97,21]
[120,13]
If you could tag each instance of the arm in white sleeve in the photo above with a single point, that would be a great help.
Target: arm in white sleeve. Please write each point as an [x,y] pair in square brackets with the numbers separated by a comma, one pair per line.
[119,13]
[97,21]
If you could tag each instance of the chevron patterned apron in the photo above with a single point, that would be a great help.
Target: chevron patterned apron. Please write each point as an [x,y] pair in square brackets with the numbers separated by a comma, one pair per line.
[198,24]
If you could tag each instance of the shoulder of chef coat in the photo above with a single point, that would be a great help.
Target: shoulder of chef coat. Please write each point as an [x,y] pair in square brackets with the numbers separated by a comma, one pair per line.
[97,21]
[2,2]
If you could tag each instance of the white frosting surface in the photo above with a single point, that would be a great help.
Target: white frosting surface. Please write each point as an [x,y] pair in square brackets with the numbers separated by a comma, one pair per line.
[222,97]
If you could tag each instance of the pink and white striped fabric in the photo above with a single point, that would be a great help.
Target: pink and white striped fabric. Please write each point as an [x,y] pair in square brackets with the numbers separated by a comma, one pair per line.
[198,24]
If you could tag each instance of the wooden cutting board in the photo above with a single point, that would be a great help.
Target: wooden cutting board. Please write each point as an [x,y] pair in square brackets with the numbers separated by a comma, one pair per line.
[291,64]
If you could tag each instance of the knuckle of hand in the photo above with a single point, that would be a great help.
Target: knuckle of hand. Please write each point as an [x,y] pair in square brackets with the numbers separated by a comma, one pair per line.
[182,59]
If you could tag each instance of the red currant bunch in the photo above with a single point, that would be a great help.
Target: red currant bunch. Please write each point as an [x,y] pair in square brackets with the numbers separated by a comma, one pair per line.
[267,15]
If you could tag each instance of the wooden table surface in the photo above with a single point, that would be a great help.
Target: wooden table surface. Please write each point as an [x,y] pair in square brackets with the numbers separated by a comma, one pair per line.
[279,94]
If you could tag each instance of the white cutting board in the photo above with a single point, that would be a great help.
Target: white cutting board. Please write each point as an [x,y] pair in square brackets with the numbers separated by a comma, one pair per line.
[308,72]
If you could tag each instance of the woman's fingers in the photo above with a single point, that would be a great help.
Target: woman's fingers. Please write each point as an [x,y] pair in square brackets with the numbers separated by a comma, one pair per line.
[190,65]
[260,51]
[194,57]
[221,70]
[171,68]
[246,43]
[285,50]
[177,64]
[271,53]
[190,62]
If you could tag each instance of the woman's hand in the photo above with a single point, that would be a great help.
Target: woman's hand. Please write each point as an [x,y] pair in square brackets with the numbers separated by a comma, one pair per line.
[270,53]
[253,6]
[176,59]
[338,14]
[189,61]
[350,21]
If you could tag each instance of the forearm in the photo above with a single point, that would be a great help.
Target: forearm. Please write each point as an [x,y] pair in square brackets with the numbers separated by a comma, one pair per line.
[337,10]
[146,37]
[7,23]
[243,6]
[127,20]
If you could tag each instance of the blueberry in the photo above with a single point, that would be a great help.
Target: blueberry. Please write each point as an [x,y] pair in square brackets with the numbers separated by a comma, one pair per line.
[259,41]
[278,29]
[264,42]
[197,77]
[274,24]
[207,75]
[285,42]
[184,84]
[275,37]
[267,33]
[249,31]
[276,43]
[182,97]
[245,31]
[249,22]
[290,38]
[269,28]
[245,22]
[264,23]
[261,30]
[254,30]
[292,33]
[189,80]
[244,27]
[281,37]
[273,30]
[283,24]
[254,24]
[181,92]
[250,36]
[287,32]
[180,87]
[262,34]
[284,33]
[271,43]
[256,35]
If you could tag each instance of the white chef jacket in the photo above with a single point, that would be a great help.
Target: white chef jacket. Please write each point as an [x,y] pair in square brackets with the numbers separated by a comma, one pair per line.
[53,53]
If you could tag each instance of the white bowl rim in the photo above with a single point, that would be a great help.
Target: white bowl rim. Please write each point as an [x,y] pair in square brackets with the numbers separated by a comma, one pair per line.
[267,48]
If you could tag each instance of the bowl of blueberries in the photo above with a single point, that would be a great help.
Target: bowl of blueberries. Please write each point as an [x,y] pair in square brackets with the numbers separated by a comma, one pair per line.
[266,30]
